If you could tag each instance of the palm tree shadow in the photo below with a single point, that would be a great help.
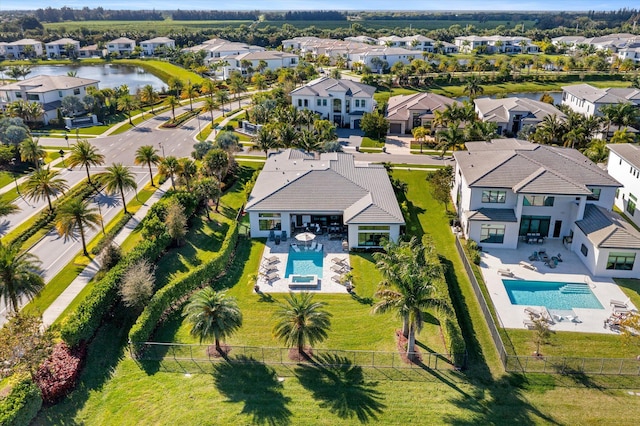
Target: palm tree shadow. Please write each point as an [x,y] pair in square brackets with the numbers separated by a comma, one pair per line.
[339,385]
[106,200]
[256,384]
[4,227]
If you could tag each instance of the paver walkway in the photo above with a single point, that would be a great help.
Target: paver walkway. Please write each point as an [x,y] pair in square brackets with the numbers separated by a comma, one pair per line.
[64,300]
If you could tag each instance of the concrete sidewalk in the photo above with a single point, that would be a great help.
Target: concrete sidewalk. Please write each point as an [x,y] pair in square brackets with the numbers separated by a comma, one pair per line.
[71,292]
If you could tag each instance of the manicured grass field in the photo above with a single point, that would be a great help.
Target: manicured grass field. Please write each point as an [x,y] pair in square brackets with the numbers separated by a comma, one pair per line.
[372,143]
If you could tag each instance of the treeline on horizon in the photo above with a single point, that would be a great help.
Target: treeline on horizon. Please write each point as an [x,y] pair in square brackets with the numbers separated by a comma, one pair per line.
[544,20]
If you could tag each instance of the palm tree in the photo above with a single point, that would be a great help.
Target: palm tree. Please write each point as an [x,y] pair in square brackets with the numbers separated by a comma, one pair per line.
[148,155]
[473,86]
[622,136]
[301,321]
[19,275]
[213,314]
[309,142]
[30,150]
[84,154]
[287,135]
[7,207]
[208,189]
[407,286]
[264,140]
[43,183]
[597,151]
[238,85]
[173,102]
[209,106]
[189,92]
[550,130]
[149,96]
[222,96]
[419,133]
[449,139]
[127,103]
[77,214]
[187,171]
[169,166]
[118,178]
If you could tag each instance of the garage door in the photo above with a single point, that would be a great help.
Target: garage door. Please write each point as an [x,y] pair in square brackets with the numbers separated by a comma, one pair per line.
[395,128]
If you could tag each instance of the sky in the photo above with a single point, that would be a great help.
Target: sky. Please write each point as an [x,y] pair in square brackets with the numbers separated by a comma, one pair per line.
[451,5]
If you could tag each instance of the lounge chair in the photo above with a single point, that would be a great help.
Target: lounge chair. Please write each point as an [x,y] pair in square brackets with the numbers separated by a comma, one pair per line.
[534,256]
[529,324]
[339,261]
[550,263]
[505,272]
[313,245]
[620,310]
[573,318]
[267,269]
[336,279]
[319,247]
[532,312]
[614,302]
[272,277]
[528,265]
[337,268]
[270,260]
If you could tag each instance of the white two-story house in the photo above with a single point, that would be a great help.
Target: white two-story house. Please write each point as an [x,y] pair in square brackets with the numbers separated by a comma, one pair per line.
[47,90]
[588,100]
[149,46]
[340,101]
[121,46]
[26,47]
[258,61]
[624,166]
[64,46]
[508,190]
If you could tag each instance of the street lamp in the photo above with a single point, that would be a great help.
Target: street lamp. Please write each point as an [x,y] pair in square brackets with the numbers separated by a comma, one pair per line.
[61,152]
[161,147]
[66,138]
[13,164]
[100,211]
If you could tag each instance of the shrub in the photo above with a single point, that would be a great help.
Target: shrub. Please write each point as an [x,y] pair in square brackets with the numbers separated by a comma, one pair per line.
[109,236]
[110,256]
[174,293]
[21,405]
[57,376]
[474,251]
[137,285]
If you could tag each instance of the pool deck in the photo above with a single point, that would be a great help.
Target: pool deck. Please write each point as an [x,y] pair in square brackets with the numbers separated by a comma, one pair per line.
[570,270]
[330,250]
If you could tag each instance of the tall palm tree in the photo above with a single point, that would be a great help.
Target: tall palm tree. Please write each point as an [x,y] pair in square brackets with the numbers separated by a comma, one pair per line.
[209,106]
[237,86]
[19,275]
[148,155]
[30,150]
[169,166]
[597,151]
[407,288]
[118,178]
[449,139]
[264,140]
[77,214]
[43,183]
[222,96]
[189,92]
[149,96]
[473,86]
[126,103]
[287,135]
[622,136]
[309,142]
[173,102]
[208,188]
[7,208]
[213,314]
[301,321]
[187,171]
[84,154]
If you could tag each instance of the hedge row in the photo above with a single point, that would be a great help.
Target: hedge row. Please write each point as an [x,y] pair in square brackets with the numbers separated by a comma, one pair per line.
[180,119]
[451,331]
[111,234]
[177,289]
[21,405]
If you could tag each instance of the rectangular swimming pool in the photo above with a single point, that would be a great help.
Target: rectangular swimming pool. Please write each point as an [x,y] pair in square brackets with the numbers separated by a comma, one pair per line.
[553,295]
[304,263]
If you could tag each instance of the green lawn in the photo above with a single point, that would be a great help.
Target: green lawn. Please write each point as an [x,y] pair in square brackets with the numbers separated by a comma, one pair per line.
[372,143]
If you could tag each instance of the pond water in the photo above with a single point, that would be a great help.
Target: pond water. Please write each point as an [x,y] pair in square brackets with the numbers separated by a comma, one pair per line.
[557,96]
[109,75]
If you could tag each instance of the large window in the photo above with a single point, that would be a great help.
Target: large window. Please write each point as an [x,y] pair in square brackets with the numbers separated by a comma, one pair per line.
[269,221]
[621,261]
[372,235]
[584,250]
[535,224]
[489,196]
[538,200]
[631,204]
[33,97]
[492,233]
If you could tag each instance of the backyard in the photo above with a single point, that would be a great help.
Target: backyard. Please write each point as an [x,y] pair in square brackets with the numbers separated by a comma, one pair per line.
[115,389]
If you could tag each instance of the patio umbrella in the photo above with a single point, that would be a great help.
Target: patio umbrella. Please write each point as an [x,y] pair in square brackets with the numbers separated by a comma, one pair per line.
[305,237]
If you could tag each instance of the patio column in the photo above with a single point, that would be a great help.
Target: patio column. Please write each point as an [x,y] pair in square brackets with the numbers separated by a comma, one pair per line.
[581,205]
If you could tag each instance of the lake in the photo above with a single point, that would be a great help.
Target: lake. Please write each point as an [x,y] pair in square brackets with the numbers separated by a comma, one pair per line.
[109,75]
[557,96]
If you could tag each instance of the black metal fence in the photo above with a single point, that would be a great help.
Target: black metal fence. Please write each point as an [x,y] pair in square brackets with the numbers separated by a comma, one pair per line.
[545,364]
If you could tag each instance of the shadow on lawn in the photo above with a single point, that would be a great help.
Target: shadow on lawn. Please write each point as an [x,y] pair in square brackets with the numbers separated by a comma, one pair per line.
[339,386]
[257,386]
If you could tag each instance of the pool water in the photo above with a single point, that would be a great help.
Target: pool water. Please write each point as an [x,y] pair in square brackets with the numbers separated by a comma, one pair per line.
[553,295]
[304,263]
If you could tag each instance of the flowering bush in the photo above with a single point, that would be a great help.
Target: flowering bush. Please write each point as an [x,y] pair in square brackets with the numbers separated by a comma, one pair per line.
[57,376]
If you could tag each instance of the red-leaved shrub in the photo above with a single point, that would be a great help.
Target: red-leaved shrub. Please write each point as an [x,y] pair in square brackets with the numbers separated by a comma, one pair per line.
[57,375]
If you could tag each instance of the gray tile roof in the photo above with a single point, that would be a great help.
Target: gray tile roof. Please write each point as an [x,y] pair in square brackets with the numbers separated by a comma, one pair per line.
[629,152]
[292,181]
[606,229]
[603,96]
[401,107]
[325,86]
[525,167]
[499,110]
[495,215]
[47,83]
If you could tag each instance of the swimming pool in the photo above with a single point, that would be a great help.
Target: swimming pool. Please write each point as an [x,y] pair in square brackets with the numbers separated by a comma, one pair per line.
[553,295]
[304,263]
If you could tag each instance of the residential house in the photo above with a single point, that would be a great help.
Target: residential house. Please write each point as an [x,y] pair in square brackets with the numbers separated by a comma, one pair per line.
[405,112]
[3,49]
[149,46]
[630,53]
[588,100]
[217,49]
[624,166]
[340,101]
[269,59]
[362,39]
[92,51]
[26,47]
[121,46]
[511,114]
[379,58]
[508,190]
[63,47]
[414,42]
[496,44]
[47,90]
[295,190]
